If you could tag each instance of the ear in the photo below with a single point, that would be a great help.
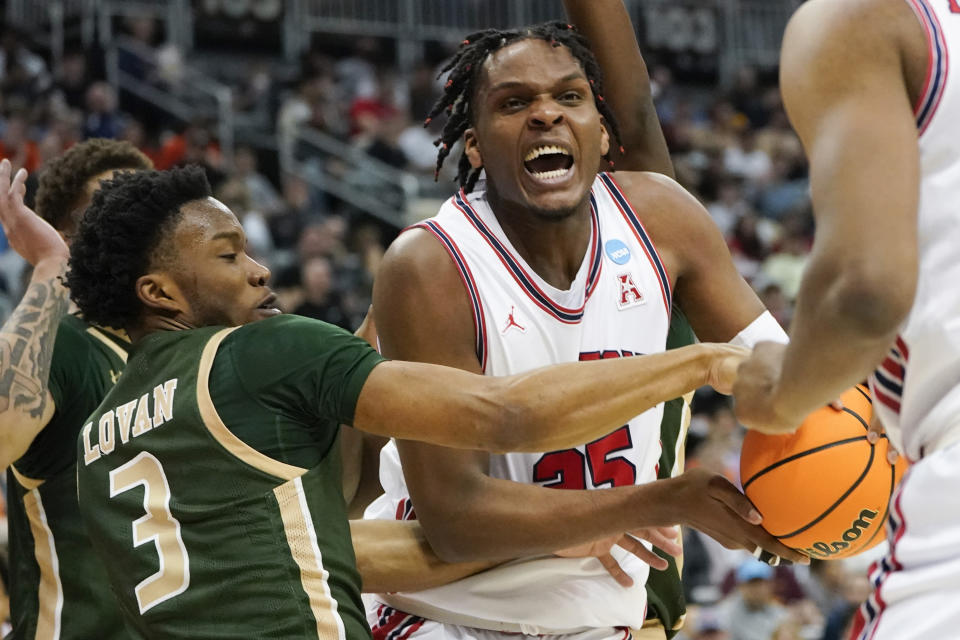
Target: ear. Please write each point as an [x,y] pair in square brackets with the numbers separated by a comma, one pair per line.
[161,295]
[604,140]
[471,147]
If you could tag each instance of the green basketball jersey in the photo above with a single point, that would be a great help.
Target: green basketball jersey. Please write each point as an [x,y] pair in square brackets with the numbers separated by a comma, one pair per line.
[58,588]
[664,591]
[209,479]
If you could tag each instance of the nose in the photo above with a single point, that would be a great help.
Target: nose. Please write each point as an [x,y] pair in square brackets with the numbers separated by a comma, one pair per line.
[259,275]
[545,114]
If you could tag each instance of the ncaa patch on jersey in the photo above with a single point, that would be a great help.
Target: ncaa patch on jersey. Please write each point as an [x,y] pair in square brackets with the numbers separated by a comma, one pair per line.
[617,251]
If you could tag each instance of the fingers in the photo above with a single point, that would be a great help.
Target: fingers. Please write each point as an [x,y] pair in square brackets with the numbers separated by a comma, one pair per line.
[18,187]
[664,538]
[720,489]
[638,549]
[615,570]
[836,405]
[5,169]
[770,548]
[875,432]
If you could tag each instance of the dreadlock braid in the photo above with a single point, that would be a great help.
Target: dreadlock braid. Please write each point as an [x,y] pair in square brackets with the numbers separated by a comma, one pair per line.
[464,69]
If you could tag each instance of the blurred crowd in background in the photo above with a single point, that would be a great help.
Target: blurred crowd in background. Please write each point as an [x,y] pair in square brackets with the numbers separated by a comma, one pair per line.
[732,146]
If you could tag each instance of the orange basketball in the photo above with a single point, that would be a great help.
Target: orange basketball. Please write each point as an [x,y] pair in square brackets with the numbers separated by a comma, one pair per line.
[823,490]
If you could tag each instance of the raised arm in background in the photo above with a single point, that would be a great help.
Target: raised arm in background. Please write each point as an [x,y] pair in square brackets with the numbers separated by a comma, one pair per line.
[626,82]
[28,336]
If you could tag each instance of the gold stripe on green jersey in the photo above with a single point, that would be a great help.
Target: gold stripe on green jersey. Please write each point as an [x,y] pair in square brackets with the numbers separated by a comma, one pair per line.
[98,334]
[50,593]
[302,540]
[27,483]
[219,430]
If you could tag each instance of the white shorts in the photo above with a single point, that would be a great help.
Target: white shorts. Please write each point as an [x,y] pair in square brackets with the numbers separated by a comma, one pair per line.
[917,585]
[388,623]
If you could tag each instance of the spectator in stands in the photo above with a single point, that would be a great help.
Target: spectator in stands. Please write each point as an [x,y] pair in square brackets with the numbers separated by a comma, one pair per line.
[785,265]
[263,195]
[747,160]
[747,98]
[16,145]
[776,303]
[137,56]
[357,73]
[194,145]
[319,239]
[23,74]
[70,84]
[133,131]
[730,205]
[234,193]
[319,299]
[102,119]
[751,612]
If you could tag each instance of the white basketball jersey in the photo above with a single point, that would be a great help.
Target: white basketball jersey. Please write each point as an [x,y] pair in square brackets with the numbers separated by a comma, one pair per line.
[917,387]
[617,306]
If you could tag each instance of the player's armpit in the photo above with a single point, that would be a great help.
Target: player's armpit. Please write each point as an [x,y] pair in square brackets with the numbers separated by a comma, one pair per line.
[394,555]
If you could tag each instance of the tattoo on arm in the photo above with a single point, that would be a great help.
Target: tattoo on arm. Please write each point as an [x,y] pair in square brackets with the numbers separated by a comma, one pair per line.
[26,347]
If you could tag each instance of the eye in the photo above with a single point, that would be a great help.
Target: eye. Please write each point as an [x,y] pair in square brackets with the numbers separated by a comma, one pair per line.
[571,96]
[229,257]
[512,104]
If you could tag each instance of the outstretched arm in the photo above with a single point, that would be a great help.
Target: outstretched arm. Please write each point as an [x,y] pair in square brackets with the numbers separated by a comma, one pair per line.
[546,409]
[857,126]
[27,337]
[607,25]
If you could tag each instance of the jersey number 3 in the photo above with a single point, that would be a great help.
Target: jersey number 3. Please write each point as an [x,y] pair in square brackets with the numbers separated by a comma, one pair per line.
[158,526]
[568,469]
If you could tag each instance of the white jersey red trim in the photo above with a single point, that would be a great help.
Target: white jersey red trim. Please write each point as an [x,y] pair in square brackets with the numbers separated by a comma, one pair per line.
[618,305]
[917,386]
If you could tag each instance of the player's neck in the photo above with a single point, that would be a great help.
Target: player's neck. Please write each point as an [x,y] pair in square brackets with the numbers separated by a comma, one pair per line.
[553,246]
[153,323]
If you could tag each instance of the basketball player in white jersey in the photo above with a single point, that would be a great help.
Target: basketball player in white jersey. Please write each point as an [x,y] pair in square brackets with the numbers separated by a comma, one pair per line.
[868,87]
[546,262]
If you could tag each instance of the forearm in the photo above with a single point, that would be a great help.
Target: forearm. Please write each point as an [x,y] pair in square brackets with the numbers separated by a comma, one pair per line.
[26,349]
[395,556]
[569,404]
[607,26]
[549,520]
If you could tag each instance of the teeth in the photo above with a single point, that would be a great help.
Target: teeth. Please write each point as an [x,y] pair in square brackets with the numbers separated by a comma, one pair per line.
[539,151]
[547,175]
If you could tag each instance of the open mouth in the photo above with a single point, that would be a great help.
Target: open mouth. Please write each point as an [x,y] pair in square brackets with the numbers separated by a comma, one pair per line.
[269,302]
[548,162]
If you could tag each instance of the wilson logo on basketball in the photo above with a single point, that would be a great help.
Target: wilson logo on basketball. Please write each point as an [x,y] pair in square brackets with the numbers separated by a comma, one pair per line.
[824,550]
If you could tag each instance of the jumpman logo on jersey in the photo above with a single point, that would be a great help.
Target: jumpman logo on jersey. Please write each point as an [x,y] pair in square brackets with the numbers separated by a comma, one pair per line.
[114,376]
[512,322]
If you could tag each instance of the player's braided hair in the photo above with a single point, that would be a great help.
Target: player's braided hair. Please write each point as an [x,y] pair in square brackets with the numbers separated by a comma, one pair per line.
[62,181]
[119,238]
[464,68]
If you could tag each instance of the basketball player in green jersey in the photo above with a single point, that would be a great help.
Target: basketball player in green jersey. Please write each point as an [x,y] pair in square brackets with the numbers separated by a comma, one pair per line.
[57,586]
[217,445]
[55,369]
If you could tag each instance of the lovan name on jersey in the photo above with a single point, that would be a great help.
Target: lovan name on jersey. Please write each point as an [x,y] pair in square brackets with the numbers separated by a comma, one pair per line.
[129,420]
